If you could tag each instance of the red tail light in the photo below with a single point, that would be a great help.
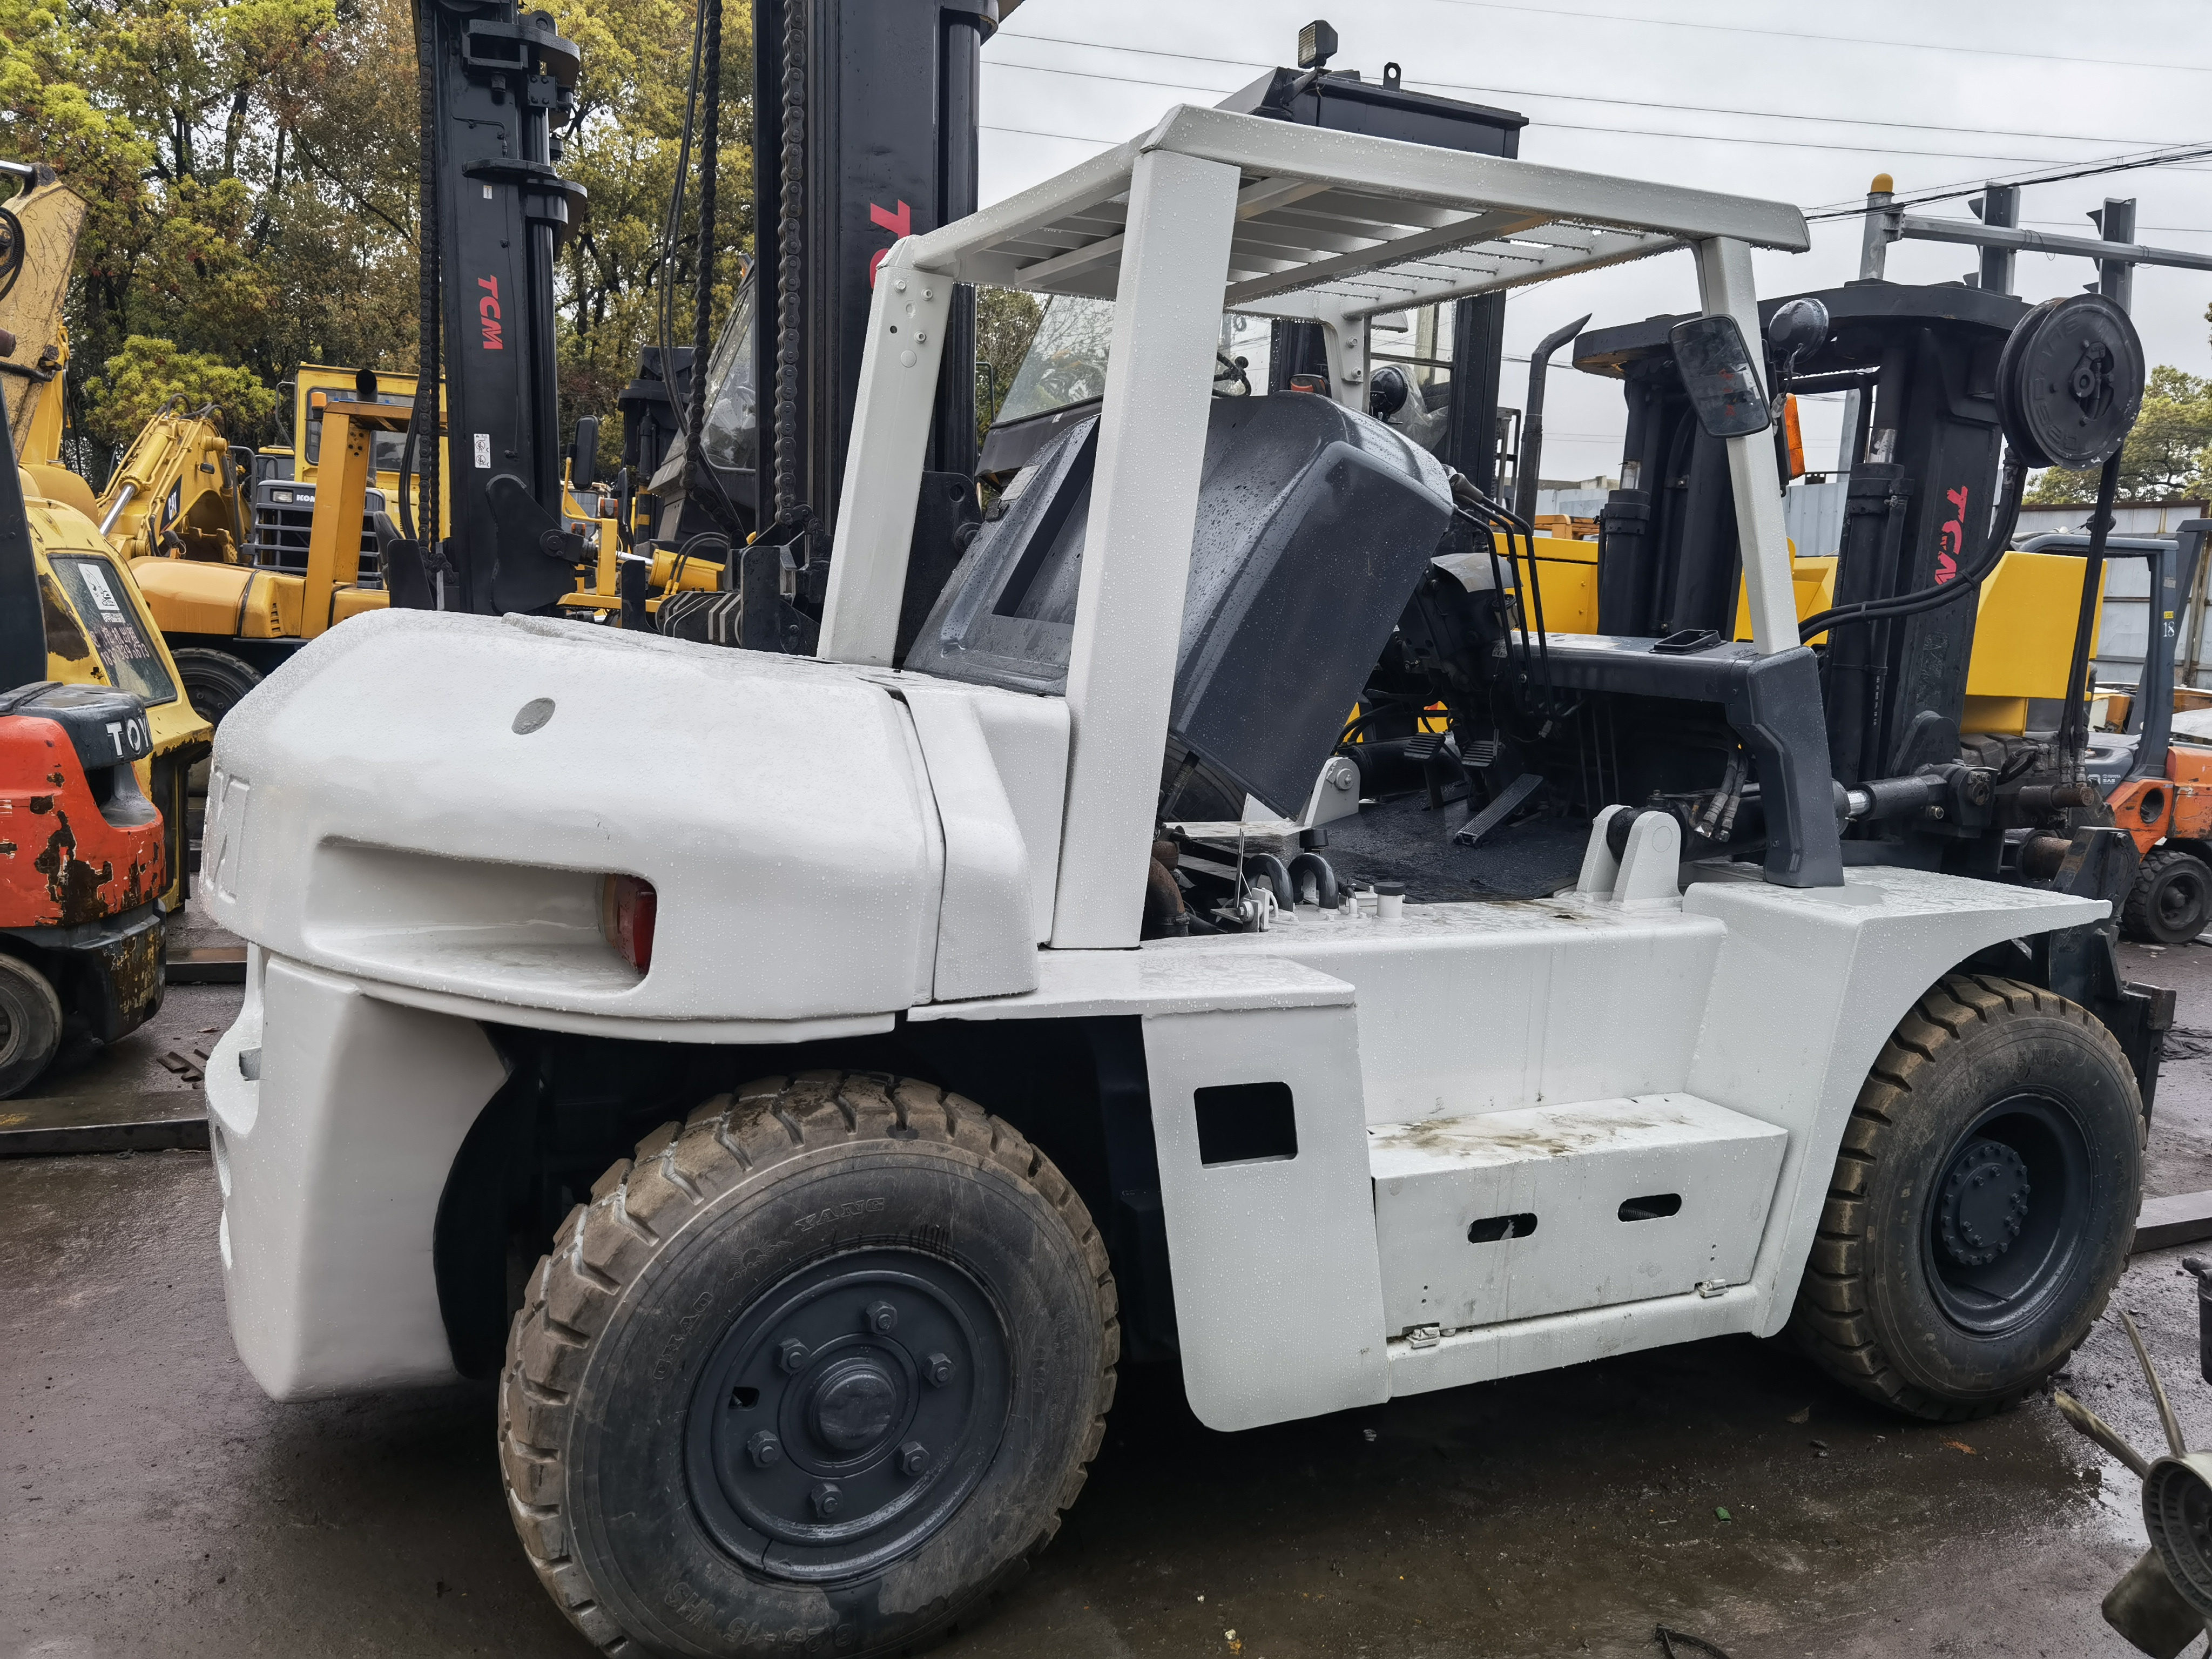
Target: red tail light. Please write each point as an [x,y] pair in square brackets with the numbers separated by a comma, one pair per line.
[627,904]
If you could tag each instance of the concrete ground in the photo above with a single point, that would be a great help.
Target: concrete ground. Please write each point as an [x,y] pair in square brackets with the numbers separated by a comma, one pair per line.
[156,1503]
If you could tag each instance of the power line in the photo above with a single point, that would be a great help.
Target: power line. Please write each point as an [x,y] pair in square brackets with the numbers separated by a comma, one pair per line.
[1689,137]
[1587,97]
[2056,174]
[1837,39]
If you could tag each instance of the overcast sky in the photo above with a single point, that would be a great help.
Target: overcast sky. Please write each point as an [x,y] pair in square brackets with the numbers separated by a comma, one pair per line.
[1803,104]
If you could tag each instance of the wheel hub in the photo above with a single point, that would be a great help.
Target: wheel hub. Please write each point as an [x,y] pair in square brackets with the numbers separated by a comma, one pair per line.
[847,1412]
[1983,1204]
[855,1406]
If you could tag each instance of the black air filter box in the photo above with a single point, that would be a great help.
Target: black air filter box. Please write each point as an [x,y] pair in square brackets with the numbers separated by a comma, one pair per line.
[1315,524]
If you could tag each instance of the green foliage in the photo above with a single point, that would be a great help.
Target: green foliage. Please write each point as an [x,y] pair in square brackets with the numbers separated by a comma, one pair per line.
[1006,322]
[141,378]
[251,169]
[2168,457]
[623,149]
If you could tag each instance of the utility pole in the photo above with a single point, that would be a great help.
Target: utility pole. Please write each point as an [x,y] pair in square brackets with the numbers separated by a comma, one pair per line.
[2116,278]
[1999,205]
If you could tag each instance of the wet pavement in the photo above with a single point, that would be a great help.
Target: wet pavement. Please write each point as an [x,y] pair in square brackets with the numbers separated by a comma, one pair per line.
[156,1503]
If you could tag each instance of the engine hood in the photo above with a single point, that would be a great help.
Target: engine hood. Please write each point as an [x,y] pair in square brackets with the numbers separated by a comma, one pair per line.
[434,801]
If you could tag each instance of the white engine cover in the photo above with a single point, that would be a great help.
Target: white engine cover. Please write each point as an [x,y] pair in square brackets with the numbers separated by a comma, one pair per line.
[399,803]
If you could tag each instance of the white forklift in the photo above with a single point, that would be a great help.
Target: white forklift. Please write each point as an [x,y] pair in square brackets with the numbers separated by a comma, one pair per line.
[927,1136]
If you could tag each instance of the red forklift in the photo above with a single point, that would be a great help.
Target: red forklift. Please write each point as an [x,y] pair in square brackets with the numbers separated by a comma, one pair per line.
[81,862]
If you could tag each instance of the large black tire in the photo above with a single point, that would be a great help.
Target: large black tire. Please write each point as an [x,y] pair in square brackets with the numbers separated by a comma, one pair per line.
[213,680]
[2171,902]
[30,1024]
[1983,1204]
[817,1371]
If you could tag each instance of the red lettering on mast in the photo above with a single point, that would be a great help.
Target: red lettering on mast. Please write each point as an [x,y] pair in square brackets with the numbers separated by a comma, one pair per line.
[488,312]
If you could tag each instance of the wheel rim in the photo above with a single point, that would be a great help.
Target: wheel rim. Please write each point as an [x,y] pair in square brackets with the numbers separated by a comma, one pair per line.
[2180,903]
[846,1415]
[2005,1219]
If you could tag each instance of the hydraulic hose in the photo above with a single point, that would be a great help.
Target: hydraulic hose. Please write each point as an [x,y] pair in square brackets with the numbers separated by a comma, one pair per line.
[2074,725]
[1266,867]
[1313,866]
[1928,598]
[702,310]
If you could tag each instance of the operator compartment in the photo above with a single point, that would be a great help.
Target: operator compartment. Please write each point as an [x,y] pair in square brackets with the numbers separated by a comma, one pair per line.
[1314,524]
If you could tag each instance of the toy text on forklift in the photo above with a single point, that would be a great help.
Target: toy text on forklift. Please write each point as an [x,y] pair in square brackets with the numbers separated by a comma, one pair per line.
[871,1052]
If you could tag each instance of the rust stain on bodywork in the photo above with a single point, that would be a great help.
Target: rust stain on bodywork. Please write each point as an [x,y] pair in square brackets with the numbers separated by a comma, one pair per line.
[135,965]
[81,891]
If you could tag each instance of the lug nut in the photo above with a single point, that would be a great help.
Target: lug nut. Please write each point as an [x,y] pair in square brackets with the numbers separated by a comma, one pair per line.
[913,1458]
[764,1449]
[828,1499]
[791,1355]
[936,1370]
[882,1318]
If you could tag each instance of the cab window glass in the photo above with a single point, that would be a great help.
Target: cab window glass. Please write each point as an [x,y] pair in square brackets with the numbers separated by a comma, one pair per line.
[1066,360]
[1416,348]
[732,435]
[96,593]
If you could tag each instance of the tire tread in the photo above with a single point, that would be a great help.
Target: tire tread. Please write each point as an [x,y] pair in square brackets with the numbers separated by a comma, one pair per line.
[642,1201]
[1831,1322]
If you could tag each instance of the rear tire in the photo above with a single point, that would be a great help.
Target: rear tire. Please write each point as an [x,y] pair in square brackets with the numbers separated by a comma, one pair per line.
[2171,902]
[819,1370]
[30,1024]
[213,680]
[1983,1204]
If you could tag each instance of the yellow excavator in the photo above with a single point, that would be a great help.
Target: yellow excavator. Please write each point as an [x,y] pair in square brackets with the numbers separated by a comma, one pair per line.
[100,631]
[244,556]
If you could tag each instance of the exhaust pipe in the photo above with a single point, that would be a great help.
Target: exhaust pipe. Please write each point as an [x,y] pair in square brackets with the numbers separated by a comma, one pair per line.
[1531,460]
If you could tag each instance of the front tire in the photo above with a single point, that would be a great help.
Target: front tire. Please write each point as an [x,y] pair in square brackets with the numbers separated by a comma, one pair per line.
[820,1369]
[1983,1204]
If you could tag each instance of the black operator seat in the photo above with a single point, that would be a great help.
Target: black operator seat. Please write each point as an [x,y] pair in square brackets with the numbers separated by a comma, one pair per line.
[1315,525]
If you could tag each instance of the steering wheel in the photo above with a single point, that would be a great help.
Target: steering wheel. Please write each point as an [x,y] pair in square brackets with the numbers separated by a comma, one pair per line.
[1230,371]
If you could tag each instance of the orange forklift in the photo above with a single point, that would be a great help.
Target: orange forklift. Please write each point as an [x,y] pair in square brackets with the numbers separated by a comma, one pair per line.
[2157,789]
[83,866]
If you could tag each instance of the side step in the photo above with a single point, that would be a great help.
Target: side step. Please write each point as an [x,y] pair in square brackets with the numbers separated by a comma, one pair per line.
[1510,1215]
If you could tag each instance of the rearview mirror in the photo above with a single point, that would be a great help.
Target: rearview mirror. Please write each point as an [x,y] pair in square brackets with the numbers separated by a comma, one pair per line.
[1716,370]
[584,460]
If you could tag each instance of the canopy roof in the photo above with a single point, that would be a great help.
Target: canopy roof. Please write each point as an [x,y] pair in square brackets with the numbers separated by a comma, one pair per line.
[1345,225]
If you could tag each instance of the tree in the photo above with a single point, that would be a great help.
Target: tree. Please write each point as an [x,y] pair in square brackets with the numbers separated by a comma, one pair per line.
[251,166]
[143,378]
[2169,456]
[624,148]
[1006,322]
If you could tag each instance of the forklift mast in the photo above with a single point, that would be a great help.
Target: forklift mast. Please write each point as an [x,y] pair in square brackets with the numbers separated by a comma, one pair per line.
[1923,482]
[891,115]
[866,121]
[502,81]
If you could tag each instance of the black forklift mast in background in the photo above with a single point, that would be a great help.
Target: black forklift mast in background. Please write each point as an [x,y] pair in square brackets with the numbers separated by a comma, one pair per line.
[866,121]
[497,88]
[891,115]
